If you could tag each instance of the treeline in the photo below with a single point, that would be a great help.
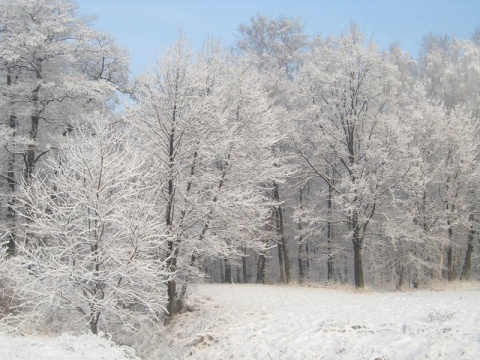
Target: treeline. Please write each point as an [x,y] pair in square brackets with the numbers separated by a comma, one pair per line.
[288,159]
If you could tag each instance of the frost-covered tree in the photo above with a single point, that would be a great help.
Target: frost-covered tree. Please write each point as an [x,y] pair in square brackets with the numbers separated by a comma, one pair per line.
[272,45]
[209,128]
[450,69]
[276,46]
[52,65]
[351,134]
[459,173]
[92,246]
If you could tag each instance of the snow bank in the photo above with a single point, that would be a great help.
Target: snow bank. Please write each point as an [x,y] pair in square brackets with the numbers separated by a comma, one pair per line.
[65,347]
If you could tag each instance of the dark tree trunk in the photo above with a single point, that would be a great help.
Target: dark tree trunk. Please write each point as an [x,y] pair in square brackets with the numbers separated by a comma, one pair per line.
[399,277]
[228,272]
[330,270]
[95,316]
[222,272]
[171,284]
[415,275]
[284,262]
[172,249]
[467,265]
[30,158]
[448,272]
[301,250]
[357,253]
[239,279]
[450,265]
[307,258]
[11,217]
[280,263]
[330,259]
[30,154]
[431,273]
[301,262]
[244,266]
[357,264]
[261,269]
[262,258]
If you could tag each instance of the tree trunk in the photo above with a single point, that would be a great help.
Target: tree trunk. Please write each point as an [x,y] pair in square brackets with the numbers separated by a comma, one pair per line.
[171,284]
[228,272]
[399,275]
[222,273]
[183,292]
[301,262]
[172,249]
[330,270]
[442,262]
[280,263]
[357,252]
[284,262]
[301,251]
[467,265]
[30,158]
[261,269]
[450,266]
[244,266]
[357,264]
[262,258]
[307,258]
[30,155]
[239,279]
[94,317]
[11,216]
[415,276]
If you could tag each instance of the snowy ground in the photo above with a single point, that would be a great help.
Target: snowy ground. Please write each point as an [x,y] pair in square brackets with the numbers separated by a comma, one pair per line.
[289,322]
[280,322]
[65,347]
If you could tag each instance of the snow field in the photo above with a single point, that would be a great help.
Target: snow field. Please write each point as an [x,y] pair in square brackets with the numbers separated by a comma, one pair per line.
[293,322]
[286,322]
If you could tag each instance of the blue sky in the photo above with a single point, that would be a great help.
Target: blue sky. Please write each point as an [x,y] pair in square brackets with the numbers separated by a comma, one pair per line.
[147,27]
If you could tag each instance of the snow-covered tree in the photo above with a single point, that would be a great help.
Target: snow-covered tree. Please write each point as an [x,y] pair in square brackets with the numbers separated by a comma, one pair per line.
[210,130]
[272,45]
[450,69]
[92,245]
[352,134]
[275,46]
[53,65]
